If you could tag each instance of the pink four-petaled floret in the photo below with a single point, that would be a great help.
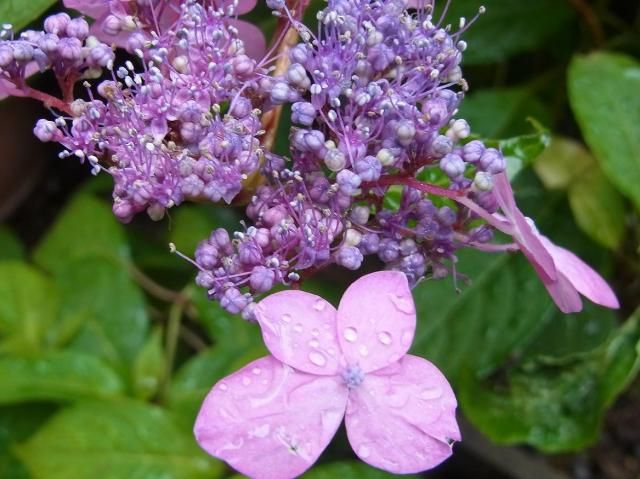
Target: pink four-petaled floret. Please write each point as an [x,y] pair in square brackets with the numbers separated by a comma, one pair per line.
[274,417]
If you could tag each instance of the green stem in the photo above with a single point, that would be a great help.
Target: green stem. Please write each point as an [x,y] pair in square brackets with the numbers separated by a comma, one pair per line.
[171,345]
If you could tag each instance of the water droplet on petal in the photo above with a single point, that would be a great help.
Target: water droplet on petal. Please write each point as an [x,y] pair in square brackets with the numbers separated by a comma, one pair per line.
[256,371]
[319,305]
[402,304]
[286,318]
[315,332]
[384,338]
[331,351]
[431,393]
[317,358]
[314,343]
[364,452]
[298,328]
[363,350]
[246,381]
[223,387]
[350,334]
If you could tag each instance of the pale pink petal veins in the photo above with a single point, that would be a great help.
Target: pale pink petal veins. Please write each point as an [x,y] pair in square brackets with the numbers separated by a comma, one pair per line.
[269,421]
[300,330]
[376,320]
[402,418]
[588,283]
[525,234]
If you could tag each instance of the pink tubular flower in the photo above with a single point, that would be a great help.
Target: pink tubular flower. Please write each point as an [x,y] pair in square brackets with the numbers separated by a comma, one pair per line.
[107,12]
[564,275]
[274,417]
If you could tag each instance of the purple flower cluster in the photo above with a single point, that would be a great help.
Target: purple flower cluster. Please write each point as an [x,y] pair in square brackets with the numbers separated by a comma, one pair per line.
[182,128]
[373,102]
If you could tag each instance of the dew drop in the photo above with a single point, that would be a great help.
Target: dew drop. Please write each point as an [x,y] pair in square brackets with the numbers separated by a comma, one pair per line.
[298,328]
[319,305]
[363,350]
[246,381]
[350,334]
[223,387]
[364,452]
[286,318]
[384,338]
[331,351]
[314,343]
[315,332]
[256,371]
[431,393]
[402,304]
[317,358]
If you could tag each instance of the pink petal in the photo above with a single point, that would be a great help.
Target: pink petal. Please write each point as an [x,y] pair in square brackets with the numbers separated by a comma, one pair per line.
[92,8]
[300,330]
[402,418]
[376,320]
[525,235]
[244,6]
[269,421]
[564,294]
[588,283]
[255,44]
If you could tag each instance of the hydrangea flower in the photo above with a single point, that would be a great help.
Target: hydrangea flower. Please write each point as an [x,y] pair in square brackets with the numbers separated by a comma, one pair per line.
[114,18]
[565,276]
[274,417]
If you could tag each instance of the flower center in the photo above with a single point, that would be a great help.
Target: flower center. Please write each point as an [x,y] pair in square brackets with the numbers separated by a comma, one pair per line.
[353,376]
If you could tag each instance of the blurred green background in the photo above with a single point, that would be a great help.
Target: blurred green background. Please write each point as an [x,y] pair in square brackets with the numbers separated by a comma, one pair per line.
[107,347]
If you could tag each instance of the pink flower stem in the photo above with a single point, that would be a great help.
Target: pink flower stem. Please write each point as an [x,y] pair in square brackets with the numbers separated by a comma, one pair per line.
[47,100]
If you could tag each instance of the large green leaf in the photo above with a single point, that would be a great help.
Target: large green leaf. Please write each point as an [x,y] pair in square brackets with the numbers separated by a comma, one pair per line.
[554,404]
[149,366]
[17,423]
[86,227]
[114,441]
[603,92]
[10,246]
[116,323]
[20,13]
[56,376]
[521,151]
[508,26]
[28,306]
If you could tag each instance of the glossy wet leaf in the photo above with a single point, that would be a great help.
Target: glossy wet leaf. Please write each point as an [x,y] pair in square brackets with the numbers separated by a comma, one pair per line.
[508,27]
[554,404]
[28,306]
[115,440]
[56,376]
[116,323]
[149,366]
[86,227]
[603,91]
[20,13]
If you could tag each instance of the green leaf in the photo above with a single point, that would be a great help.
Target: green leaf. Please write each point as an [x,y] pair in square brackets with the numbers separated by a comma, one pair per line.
[521,151]
[562,162]
[17,423]
[116,323]
[114,441]
[500,113]
[555,405]
[10,246]
[598,208]
[56,376]
[194,223]
[28,306]
[603,91]
[149,367]
[508,27]
[349,470]
[86,227]
[19,13]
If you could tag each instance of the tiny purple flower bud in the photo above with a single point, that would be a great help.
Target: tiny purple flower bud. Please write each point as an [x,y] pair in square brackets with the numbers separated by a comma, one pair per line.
[472,151]
[303,113]
[111,25]
[370,243]
[492,161]
[57,23]
[441,146]
[348,182]
[349,256]
[388,250]
[78,28]
[46,130]
[70,48]
[262,279]
[452,165]
[368,168]
[297,76]
[234,301]
[243,66]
